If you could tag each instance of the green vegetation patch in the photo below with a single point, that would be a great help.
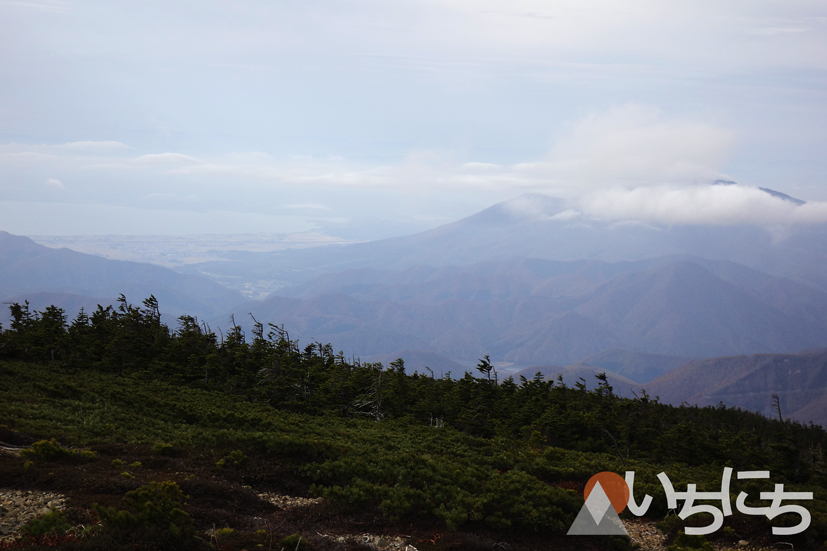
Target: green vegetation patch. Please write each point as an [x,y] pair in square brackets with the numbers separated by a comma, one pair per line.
[473,452]
[158,506]
[50,450]
[53,522]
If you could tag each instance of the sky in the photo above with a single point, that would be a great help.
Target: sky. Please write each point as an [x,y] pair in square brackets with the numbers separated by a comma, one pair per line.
[224,117]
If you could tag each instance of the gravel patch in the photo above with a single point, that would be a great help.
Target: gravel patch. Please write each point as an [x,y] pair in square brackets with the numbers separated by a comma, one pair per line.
[289,502]
[17,507]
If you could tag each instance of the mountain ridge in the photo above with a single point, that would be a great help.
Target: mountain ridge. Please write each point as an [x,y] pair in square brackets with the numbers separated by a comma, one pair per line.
[29,269]
[532,226]
[538,312]
[749,382]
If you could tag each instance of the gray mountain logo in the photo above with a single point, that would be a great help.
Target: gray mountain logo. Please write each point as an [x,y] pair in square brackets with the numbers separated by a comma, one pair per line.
[606,495]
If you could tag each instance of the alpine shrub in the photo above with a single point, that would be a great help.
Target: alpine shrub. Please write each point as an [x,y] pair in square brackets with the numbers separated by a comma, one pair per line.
[685,542]
[158,505]
[52,522]
[50,450]
[162,448]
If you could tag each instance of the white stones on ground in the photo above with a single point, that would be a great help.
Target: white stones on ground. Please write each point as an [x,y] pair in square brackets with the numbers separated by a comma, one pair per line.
[289,502]
[17,507]
[643,532]
[374,541]
[380,542]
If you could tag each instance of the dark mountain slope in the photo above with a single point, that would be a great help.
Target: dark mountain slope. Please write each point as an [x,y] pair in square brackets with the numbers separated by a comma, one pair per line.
[800,381]
[481,281]
[561,339]
[640,367]
[683,309]
[27,268]
[536,312]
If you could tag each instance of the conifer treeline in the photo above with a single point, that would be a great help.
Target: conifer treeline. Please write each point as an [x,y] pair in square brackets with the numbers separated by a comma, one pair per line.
[270,367]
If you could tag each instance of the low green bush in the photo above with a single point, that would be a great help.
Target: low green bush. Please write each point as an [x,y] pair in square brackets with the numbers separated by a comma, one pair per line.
[53,522]
[51,450]
[162,448]
[157,506]
[668,523]
[294,542]
[237,458]
[685,542]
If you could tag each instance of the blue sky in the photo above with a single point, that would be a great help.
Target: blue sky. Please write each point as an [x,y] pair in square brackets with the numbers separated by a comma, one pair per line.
[225,117]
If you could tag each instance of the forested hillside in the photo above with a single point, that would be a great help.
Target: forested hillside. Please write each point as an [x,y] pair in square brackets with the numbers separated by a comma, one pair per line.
[506,460]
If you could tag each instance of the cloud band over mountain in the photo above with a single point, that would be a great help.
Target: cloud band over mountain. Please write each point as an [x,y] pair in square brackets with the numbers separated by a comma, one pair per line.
[708,204]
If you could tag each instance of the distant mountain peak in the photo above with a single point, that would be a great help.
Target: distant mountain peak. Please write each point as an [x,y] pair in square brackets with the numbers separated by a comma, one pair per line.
[529,206]
[772,192]
[783,196]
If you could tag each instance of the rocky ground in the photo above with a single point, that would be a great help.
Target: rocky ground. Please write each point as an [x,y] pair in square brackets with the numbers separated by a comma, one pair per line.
[644,533]
[17,507]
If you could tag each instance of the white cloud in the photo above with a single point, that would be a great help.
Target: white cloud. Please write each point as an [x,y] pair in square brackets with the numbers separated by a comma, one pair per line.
[481,167]
[166,158]
[83,149]
[54,182]
[707,204]
[54,6]
[90,145]
[776,31]
[568,214]
[310,206]
[629,145]
[635,145]
[629,163]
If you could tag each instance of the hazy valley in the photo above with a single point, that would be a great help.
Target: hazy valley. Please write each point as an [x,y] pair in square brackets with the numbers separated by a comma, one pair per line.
[517,281]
